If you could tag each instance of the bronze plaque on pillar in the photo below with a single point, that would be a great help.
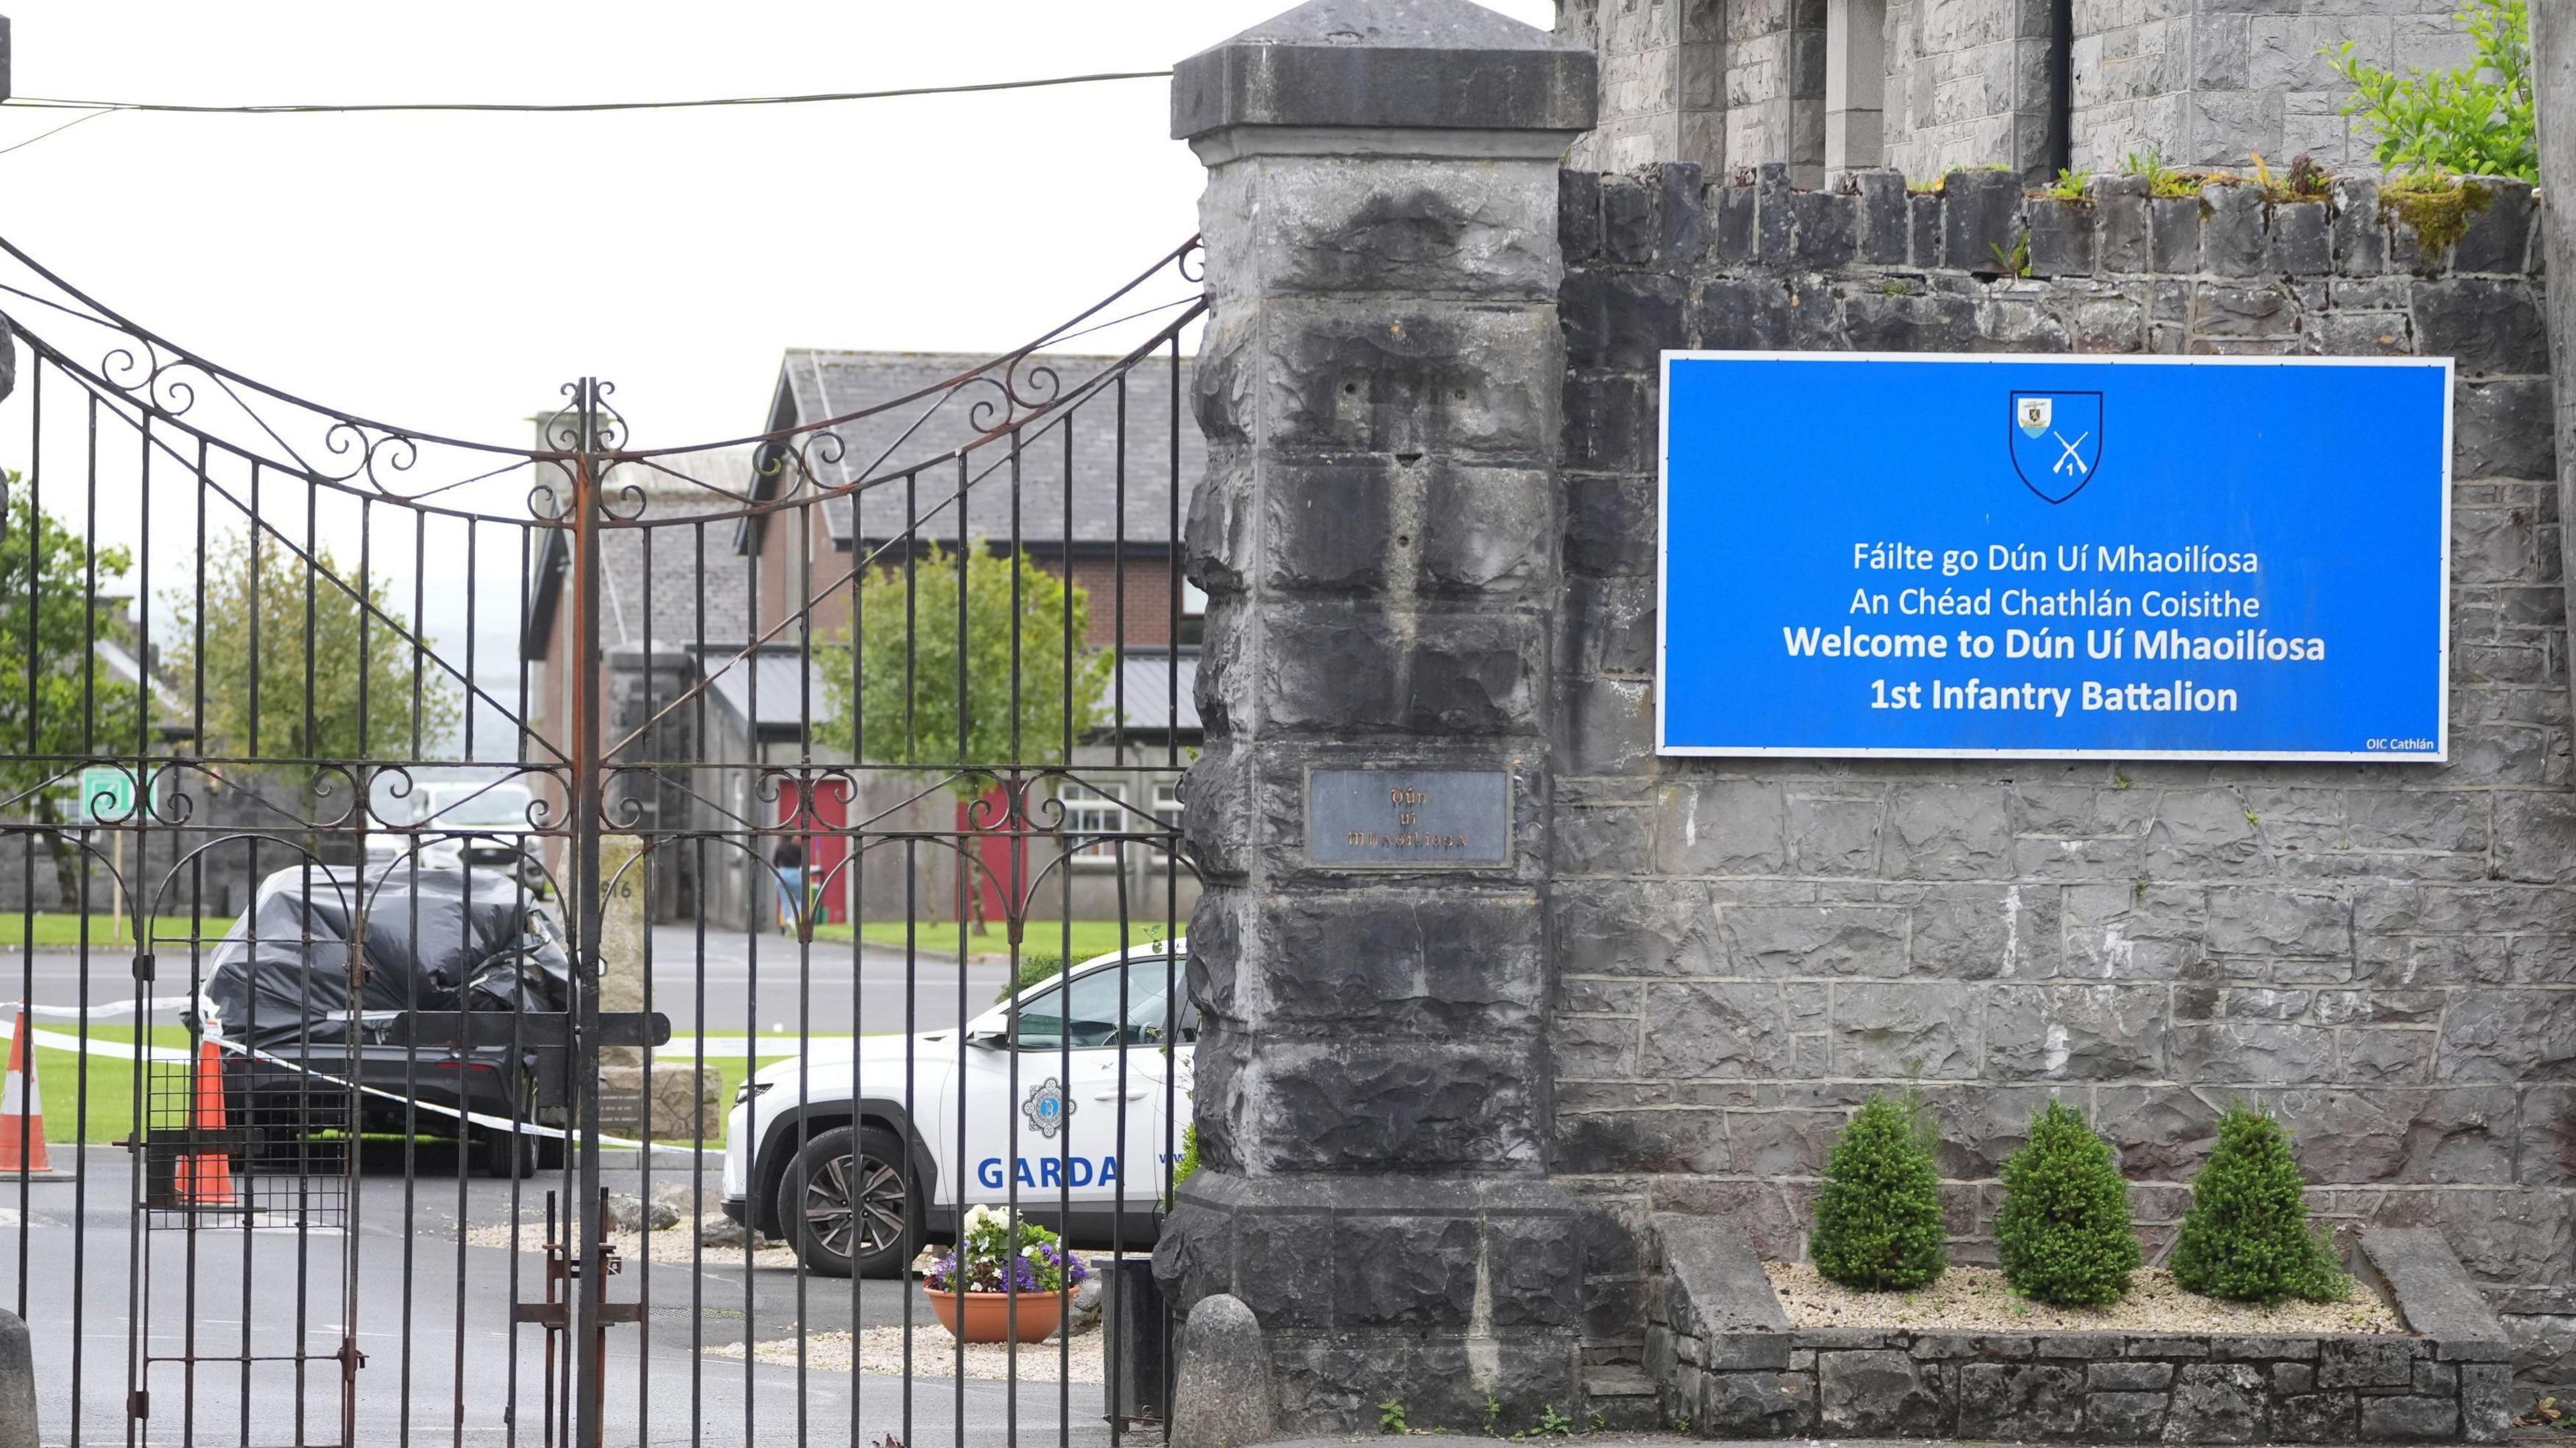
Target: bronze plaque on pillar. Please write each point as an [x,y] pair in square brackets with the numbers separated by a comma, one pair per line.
[1409,819]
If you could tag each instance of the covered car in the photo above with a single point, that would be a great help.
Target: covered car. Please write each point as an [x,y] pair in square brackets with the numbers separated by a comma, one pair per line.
[461,992]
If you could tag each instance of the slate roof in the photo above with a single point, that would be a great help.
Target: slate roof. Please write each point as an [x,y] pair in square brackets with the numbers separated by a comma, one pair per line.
[815,385]
[675,487]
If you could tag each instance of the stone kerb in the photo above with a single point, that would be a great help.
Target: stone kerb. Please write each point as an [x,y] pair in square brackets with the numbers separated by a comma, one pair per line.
[1746,949]
[1727,1363]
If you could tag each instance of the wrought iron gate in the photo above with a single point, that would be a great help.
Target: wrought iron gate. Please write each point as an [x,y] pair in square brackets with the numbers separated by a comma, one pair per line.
[438,863]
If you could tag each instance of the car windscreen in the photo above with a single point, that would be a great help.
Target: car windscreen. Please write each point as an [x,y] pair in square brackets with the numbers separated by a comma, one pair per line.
[499,809]
[1109,1007]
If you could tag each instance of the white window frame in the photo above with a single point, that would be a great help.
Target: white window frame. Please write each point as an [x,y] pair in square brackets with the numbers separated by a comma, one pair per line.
[1093,811]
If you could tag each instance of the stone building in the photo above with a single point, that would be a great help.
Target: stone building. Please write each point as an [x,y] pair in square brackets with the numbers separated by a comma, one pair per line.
[1927,86]
[735,604]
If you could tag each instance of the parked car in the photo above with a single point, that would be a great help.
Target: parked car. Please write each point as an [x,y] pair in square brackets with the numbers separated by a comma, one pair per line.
[436,941]
[479,824]
[1067,1097]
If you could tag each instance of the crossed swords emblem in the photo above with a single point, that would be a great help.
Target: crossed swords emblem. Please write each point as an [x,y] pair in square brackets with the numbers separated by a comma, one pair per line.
[2069,460]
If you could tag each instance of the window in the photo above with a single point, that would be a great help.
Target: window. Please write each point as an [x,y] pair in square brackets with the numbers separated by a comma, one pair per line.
[1167,803]
[1090,814]
[1098,1017]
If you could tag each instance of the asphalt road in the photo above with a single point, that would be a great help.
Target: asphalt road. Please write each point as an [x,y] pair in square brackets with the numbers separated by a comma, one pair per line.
[764,982]
[443,1361]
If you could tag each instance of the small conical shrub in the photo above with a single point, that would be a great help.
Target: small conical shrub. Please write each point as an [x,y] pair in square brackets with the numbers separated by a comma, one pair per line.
[2246,1237]
[2064,1231]
[1878,1221]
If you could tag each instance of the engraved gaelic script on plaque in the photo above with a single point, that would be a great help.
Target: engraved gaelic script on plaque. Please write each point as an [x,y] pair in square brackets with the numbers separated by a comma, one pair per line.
[1409,819]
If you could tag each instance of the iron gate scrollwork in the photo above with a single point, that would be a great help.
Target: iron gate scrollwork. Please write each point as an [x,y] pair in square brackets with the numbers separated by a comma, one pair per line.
[502,931]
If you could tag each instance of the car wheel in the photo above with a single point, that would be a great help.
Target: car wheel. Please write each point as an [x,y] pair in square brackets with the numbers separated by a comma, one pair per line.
[847,1203]
[504,1154]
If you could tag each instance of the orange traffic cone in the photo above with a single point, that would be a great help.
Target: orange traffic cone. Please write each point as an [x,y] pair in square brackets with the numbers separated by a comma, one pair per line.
[22,1110]
[206,1177]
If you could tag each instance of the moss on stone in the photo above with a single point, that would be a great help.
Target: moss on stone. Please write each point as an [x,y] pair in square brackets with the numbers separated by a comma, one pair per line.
[2438,207]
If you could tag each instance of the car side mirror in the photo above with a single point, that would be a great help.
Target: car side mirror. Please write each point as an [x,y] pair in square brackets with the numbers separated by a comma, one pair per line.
[989,1040]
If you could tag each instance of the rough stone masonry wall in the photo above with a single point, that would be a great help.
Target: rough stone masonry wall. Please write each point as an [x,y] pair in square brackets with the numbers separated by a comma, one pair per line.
[2385,956]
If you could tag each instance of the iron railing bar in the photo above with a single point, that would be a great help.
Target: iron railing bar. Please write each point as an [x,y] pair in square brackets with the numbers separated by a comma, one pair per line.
[122,398]
[1171,258]
[122,323]
[1052,409]
[368,608]
[814,598]
[33,473]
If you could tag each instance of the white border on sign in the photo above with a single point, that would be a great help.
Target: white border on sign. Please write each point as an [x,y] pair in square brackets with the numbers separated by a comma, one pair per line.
[2440,754]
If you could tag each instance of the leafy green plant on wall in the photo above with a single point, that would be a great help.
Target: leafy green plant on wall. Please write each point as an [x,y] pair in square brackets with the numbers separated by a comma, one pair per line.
[1878,1218]
[2163,181]
[2063,1234]
[2247,1236]
[2476,120]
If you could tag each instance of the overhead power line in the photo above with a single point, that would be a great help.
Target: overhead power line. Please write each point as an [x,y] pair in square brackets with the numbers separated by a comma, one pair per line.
[58,103]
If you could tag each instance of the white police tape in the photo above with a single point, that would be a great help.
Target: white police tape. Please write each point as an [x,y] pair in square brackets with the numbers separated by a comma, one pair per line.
[118,1051]
[96,1010]
[476,1118]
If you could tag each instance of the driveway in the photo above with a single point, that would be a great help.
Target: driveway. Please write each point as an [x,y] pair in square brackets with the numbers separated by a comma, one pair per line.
[432,1316]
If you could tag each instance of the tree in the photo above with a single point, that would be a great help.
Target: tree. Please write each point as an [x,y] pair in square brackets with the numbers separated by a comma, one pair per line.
[60,702]
[2478,120]
[2063,1234]
[255,584]
[905,696]
[2246,1236]
[1878,1219]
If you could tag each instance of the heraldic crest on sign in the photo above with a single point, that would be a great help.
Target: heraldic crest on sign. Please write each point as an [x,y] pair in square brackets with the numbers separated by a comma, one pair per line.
[1048,1108]
[2056,441]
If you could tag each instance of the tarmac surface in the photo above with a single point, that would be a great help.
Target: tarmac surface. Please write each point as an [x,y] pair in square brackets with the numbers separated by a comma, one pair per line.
[443,1362]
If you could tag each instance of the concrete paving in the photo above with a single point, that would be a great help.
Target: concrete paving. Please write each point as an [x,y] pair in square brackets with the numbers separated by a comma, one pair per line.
[443,1361]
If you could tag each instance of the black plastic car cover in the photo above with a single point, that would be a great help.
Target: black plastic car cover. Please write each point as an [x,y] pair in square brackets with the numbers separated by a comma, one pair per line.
[436,940]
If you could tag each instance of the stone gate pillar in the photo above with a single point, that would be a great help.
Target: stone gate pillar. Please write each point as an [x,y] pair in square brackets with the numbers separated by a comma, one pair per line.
[1379,388]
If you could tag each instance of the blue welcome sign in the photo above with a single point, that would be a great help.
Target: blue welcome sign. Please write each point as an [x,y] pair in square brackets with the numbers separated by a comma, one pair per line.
[2054,557]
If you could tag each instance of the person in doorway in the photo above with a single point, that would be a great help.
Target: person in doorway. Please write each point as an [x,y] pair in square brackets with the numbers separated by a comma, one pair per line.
[789,861]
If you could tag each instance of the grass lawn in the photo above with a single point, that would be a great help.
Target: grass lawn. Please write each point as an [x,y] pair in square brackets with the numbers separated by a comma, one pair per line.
[108,1085]
[60,929]
[937,939]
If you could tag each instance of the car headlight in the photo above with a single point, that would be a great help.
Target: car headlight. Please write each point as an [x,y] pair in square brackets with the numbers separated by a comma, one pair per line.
[749,1089]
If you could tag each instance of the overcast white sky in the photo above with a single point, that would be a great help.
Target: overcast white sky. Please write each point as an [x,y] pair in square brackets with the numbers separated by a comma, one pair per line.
[448,272]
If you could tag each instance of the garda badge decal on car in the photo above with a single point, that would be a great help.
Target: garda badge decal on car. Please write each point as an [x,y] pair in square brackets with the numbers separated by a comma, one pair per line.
[1047,1108]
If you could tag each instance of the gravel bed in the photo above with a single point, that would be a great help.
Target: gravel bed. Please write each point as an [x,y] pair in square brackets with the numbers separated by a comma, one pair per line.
[1975,1299]
[674,1244]
[934,1355]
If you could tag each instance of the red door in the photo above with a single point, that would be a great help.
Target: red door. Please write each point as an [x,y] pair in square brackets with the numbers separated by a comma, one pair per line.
[1000,871]
[823,851]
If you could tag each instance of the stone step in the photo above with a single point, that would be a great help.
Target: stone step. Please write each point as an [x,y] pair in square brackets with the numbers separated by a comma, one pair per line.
[1617,1382]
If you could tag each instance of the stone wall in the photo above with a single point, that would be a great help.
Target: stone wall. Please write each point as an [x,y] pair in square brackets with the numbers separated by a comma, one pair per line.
[1727,83]
[2207,81]
[2385,956]
[1967,85]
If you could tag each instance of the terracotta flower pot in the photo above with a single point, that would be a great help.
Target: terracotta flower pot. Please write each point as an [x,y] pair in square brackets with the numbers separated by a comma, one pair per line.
[986,1316]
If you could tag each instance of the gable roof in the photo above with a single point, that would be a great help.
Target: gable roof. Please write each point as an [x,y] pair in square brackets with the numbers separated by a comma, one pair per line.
[815,385]
[681,485]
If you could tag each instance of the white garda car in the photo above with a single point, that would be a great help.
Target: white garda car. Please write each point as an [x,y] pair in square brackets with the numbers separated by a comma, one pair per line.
[1069,1098]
